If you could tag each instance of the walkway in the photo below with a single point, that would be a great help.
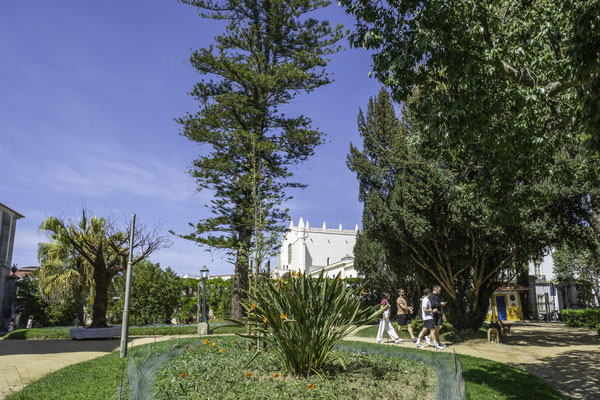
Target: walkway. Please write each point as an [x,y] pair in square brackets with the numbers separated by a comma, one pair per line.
[567,358]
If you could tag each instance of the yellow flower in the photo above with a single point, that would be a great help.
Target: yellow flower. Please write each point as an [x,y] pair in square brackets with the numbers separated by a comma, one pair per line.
[182,375]
[363,292]
[281,280]
[276,376]
[249,375]
[206,341]
[253,306]
[294,273]
[233,341]
[283,316]
[214,345]
[300,274]
[220,340]
[310,386]
[265,320]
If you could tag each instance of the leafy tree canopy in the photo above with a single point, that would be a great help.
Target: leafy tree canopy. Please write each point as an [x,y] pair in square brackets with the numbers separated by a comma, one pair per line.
[501,83]
[434,228]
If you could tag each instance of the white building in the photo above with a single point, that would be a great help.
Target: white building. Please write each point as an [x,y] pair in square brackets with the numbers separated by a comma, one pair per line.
[8,279]
[312,250]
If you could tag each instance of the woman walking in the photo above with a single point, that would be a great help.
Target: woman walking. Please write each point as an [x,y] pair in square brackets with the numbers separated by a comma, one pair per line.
[384,321]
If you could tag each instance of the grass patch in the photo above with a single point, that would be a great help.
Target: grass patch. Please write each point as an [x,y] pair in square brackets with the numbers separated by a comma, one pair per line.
[193,375]
[63,333]
[99,378]
[447,334]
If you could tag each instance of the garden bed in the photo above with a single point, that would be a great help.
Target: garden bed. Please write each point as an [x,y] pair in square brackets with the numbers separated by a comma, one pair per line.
[99,378]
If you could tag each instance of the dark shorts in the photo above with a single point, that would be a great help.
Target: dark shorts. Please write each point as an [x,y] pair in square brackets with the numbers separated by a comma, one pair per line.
[404,319]
[437,319]
[428,323]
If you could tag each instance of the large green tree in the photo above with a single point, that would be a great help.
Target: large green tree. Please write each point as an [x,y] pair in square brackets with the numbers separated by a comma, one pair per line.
[501,83]
[422,209]
[155,294]
[579,261]
[104,247]
[270,51]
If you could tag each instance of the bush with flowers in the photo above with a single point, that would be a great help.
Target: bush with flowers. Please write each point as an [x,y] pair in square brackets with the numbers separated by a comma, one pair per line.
[300,319]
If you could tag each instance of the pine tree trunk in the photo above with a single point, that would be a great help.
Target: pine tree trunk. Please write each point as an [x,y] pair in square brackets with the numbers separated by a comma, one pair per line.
[100,308]
[240,281]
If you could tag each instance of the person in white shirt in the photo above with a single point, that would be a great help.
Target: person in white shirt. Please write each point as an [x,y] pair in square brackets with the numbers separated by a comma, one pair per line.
[427,315]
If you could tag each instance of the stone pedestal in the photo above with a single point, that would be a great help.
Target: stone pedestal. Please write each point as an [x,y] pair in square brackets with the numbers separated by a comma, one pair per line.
[95,333]
[203,328]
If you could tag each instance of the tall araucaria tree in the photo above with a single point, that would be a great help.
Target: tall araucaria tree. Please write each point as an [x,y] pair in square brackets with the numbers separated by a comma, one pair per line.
[432,225]
[101,248]
[270,52]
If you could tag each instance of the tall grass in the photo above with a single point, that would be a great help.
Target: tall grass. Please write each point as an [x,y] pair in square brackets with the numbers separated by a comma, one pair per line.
[301,319]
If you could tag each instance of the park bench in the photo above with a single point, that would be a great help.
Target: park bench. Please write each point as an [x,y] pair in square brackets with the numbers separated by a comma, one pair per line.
[505,326]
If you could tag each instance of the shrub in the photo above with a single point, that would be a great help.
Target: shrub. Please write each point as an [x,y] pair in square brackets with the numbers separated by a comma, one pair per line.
[577,318]
[301,318]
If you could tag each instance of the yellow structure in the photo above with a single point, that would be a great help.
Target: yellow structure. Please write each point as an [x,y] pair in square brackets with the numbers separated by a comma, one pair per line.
[506,304]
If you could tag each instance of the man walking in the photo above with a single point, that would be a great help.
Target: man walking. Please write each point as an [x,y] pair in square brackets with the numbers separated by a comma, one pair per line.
[427,315]
[436,306]
[404,314]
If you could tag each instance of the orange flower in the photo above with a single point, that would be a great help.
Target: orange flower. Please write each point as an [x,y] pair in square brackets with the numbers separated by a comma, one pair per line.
[253,306]
[294,273]
[363,292]
[214,345]
[281,280]
[182,375]
[265,320]
[191,349]
[260,353]
[276,376]
[300,274]
[283,316]
[249,375]
[310,386]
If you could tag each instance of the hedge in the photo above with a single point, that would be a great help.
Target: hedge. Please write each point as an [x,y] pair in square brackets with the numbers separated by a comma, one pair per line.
[577,318]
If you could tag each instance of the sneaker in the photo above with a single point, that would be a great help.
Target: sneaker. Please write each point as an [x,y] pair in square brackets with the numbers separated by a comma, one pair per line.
[438,347]
[414,340]
[378,341]
[428,340]
[442,345]
[418,345]
[398,340]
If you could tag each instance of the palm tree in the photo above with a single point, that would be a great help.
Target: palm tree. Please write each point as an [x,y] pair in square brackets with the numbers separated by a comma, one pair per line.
[63,274]
[97,251]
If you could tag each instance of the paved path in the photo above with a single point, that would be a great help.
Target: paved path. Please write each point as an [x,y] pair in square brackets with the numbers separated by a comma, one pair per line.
[568,358]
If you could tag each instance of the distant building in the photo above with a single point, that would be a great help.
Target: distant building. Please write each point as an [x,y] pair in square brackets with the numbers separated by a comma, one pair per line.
[312,250]
[8,279]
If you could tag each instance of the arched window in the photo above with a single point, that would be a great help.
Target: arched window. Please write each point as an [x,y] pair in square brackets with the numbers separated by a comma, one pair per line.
[289,253]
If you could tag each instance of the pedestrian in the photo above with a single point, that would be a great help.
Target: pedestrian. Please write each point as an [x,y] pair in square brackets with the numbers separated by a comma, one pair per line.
[30,322]
[384,321]
[427,315]
[404,314]
[436,306]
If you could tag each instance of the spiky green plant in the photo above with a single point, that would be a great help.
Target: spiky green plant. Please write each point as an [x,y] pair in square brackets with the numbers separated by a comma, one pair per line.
[301,318]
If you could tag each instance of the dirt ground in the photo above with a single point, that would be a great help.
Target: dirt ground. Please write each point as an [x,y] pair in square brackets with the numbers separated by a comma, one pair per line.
[567,358]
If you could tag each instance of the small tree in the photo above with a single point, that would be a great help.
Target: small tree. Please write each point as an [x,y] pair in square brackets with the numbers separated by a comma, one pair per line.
[104,247]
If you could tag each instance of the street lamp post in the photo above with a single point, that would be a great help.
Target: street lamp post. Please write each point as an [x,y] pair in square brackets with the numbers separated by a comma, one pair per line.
[203,328]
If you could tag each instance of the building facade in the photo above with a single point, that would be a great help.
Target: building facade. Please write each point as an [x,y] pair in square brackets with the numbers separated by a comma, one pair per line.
[8,278]
[312,250]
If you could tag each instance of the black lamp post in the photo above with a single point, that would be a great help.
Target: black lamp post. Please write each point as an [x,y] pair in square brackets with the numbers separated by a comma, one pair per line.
[204,275]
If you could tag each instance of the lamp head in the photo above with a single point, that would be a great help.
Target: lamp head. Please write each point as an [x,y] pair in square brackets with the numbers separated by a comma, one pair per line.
[204,272]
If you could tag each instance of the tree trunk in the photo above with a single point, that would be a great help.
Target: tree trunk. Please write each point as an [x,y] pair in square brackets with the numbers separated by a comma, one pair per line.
[100,308]
[240,282]
[464,314]
[80,307]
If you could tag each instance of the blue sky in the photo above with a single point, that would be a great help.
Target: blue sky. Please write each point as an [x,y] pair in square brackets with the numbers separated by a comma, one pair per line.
[88,96]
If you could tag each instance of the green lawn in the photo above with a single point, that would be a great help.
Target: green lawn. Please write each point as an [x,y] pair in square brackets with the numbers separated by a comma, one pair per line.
[63,333]
[99,378]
